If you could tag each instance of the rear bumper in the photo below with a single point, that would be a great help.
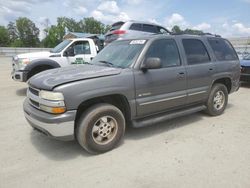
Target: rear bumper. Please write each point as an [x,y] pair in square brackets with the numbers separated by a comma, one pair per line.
[60,127]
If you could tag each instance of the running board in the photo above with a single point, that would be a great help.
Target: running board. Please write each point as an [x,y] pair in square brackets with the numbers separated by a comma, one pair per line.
[165,116]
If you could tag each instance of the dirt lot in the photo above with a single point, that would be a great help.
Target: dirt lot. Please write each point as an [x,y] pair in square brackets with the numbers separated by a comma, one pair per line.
[192,151]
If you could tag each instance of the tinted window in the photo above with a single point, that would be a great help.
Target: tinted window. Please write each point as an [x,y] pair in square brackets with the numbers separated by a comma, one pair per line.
[137,27]
[195,51]
[223,50]
[81,47]
[166,50]
[149,28]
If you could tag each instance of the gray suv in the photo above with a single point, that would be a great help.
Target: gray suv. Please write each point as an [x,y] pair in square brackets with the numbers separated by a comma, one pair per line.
[135,82]
[131,29]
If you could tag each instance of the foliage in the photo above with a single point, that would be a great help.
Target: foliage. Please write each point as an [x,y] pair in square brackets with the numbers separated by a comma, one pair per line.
[4,36]
[177,30]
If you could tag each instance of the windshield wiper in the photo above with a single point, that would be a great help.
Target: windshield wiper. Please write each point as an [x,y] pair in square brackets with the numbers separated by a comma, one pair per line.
[107,63]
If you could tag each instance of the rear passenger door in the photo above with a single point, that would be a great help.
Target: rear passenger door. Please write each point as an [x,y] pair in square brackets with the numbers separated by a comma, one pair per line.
[199,69]
[162,89]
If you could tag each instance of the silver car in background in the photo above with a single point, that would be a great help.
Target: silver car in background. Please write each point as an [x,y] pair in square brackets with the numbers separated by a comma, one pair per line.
[130,29]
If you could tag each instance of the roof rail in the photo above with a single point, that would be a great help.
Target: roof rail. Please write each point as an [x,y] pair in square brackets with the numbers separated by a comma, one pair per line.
[201,34]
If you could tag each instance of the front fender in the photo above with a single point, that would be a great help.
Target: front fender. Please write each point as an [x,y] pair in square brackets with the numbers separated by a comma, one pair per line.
[40,62]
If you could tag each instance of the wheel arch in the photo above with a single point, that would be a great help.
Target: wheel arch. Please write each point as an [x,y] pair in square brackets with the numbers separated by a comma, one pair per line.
[118,100]
[40,65]
[225,81]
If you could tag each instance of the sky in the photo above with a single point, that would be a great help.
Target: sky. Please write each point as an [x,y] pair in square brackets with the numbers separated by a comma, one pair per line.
[229,18]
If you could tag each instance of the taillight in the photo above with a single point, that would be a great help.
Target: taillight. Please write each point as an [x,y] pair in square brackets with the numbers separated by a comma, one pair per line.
[118,32]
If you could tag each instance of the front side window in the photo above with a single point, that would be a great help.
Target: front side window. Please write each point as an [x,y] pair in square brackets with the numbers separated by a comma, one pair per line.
[196,52]
[81,47]
[166,50]
[223,50]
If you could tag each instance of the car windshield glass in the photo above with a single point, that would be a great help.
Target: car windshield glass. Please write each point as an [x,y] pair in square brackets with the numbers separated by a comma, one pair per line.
[60,46]
[120,53]
[247,57]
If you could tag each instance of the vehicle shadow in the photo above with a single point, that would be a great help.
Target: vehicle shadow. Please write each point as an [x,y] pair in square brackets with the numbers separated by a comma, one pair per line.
[60,150]
[145,132]
[21,92]
[54,149]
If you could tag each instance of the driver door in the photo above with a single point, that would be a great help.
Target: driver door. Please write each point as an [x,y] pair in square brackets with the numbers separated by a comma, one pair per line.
[159,90]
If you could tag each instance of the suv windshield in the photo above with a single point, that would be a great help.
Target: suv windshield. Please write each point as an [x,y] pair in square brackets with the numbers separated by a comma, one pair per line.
[120,54]
[61,46]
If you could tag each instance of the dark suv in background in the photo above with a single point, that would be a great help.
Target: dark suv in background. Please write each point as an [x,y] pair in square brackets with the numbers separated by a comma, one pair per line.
[132,29]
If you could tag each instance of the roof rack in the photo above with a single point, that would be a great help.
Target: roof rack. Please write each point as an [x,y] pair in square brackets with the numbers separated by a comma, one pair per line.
[201,34]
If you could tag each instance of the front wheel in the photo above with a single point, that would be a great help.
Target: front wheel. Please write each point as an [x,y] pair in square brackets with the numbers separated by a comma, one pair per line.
[217,100]
[100,128]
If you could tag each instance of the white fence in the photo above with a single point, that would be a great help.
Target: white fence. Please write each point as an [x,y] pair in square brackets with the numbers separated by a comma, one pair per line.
[8,52]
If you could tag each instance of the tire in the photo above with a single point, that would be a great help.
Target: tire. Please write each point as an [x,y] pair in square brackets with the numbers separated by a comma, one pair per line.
[100,128]
[217,100]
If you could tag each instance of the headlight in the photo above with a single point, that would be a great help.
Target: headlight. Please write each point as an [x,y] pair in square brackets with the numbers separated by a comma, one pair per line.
[23,62]
[53,96]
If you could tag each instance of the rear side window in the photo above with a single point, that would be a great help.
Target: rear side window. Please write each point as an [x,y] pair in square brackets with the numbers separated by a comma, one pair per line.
[196,51]
[136,27]
[166,50]
[149,28]
[223,50]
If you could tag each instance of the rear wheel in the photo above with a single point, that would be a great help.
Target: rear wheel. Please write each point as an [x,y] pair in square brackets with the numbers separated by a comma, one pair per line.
[100,128]
[217,100]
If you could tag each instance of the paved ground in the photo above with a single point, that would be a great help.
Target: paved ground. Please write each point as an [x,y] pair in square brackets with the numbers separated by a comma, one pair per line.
[192,151]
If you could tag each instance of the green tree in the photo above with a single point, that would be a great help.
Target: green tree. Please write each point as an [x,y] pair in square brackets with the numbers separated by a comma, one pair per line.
[4,37]
[12,32]
[91,25]
[54,37]
[27,32]
[176,30]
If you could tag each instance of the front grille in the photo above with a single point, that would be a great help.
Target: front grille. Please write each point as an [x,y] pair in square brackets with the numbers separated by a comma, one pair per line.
[245,70]
[34,103]
[34,91]
[33,95]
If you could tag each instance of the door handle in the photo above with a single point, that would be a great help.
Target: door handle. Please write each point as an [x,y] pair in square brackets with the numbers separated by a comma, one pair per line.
[181,75]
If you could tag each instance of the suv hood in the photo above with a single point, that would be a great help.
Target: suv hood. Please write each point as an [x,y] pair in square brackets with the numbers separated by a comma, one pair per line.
[49,79]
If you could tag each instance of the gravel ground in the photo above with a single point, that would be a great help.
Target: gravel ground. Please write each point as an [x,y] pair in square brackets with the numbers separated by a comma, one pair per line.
[191,151]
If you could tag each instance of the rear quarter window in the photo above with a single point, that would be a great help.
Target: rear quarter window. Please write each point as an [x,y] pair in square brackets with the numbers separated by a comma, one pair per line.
[223,50]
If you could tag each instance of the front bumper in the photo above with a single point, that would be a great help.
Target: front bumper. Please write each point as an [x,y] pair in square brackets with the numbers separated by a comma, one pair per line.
[21,76]
[60,127]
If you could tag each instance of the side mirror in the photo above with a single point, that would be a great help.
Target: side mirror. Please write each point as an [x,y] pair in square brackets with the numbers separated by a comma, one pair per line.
[151,63]
[69,52]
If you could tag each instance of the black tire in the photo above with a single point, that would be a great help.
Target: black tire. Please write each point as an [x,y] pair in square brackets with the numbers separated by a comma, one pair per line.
[213,108]
[94,116]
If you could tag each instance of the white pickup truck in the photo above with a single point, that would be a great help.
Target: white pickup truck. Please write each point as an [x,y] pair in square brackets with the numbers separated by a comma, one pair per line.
[68,52]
